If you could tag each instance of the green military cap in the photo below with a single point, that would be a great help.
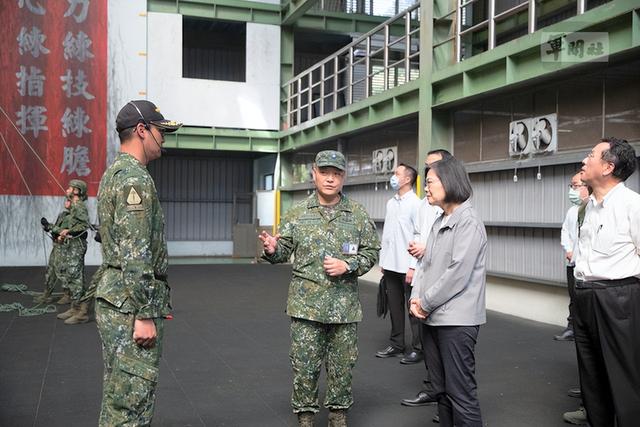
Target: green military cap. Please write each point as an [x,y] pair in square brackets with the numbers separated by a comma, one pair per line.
[81,186]
[331,158]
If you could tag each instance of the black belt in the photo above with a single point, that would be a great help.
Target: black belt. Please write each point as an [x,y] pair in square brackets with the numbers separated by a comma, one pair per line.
[601,284]
[155,275]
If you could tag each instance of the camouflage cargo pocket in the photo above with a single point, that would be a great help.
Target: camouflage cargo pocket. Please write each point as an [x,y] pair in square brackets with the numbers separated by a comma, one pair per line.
[134,383]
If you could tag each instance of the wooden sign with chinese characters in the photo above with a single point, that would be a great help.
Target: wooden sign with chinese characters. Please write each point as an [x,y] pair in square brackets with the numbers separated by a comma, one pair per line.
[54,80]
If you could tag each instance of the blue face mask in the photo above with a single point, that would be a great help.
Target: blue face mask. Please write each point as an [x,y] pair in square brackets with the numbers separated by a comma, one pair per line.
[395,184]
[574,197]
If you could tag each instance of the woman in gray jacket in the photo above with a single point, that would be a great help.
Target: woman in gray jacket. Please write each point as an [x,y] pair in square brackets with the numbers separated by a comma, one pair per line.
[450,299]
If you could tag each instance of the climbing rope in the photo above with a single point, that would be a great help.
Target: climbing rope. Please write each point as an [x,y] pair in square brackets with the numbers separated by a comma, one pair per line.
[36,310]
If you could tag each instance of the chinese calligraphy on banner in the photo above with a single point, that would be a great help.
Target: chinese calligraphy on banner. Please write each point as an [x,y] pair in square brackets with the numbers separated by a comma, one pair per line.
[54,80]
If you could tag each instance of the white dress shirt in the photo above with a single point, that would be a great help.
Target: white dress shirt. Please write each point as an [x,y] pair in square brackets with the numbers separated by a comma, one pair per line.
[399,224]
[610,237]
[569,232]
[427,215]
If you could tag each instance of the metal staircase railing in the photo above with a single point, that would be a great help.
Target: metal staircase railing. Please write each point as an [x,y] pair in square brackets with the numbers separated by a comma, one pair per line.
[385,57]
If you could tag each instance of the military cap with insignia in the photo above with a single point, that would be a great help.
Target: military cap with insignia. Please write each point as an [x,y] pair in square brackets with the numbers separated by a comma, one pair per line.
[143,111]
[331,158]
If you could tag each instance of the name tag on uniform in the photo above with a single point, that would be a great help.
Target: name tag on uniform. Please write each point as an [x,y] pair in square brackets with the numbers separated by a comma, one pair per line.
[349,248]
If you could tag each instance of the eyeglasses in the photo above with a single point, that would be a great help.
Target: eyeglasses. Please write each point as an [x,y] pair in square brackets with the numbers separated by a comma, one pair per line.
[429,182]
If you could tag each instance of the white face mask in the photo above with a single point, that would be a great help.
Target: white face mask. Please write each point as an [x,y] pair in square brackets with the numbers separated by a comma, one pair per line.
[574,197]
[394,182]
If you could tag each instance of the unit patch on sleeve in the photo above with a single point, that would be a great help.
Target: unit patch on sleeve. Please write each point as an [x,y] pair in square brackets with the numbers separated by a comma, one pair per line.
[134,202]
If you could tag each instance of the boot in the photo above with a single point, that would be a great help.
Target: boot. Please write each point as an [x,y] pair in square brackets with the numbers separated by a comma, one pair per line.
[69,313]
[65,299]
[80,316]
[337,418]
[305,419]
[578,417]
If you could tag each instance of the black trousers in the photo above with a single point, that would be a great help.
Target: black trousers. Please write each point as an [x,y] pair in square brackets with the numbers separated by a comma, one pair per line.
[398,294]
[571,287]
[450,355]
[607,336]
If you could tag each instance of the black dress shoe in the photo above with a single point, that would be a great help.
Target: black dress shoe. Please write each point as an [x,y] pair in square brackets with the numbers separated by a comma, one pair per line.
[575,392]
[389,352]
[566,335]
[411,358]
[422,399]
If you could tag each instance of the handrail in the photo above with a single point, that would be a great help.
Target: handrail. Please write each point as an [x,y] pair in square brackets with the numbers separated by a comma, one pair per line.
[357,41]
[372,63]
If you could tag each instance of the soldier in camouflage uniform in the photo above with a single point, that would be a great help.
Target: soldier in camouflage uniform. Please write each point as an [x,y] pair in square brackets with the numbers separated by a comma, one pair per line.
[75,249]
[333,241]
[54,273]
[132,296]
[69,233]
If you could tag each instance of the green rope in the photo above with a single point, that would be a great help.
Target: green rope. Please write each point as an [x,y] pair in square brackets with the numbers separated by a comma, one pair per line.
[11,287]
[22,310]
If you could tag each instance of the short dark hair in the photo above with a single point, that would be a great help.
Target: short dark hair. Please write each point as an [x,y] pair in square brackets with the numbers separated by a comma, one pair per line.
[125,134]
[623,157]
[454,179]
[413,174]
[443,153]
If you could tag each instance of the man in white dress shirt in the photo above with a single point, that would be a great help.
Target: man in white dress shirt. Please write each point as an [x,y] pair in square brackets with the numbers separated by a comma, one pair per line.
[578,194]
[607,298]
[398,265]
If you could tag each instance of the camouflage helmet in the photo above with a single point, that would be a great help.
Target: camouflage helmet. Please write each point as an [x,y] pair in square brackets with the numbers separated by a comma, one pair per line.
[81,186]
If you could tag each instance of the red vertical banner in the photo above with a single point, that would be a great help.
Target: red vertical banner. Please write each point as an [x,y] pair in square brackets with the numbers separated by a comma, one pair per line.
[53,97]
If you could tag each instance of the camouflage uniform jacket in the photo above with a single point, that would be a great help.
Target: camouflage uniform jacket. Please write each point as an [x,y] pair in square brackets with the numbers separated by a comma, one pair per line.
[60,223]
[77,221]
[134,250]
[56,251]
[309,234]
[74,246]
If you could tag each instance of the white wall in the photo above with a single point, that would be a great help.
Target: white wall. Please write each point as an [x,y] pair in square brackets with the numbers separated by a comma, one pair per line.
[253,104]
[542,303]
[22,241]
[126,62]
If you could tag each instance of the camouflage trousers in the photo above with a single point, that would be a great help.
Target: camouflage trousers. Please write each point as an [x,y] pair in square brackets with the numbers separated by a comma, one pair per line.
[313,343]
[73,258]
[89,292]
[66,265]
[130,371]
[53,273]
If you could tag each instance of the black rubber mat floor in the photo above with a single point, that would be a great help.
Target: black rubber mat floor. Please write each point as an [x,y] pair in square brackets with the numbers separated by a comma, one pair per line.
[226,363]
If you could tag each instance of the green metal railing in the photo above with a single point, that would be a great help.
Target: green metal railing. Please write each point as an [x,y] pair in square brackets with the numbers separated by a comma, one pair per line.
[385,57]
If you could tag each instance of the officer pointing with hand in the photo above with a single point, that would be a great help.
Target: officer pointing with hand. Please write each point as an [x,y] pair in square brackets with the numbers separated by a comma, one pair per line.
[333,241]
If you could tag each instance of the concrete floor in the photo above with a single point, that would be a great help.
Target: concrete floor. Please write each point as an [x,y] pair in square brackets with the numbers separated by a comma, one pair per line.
[226,361]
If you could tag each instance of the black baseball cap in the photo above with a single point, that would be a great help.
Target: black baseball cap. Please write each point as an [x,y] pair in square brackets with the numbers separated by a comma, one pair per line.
[143,111]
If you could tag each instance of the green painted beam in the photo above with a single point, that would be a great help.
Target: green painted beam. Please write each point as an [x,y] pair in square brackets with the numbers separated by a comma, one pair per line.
[395,103]
[231,10]
[294,9]
[425,136]
[519,61]
[221,139]
[336,22]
